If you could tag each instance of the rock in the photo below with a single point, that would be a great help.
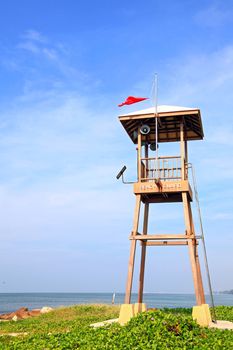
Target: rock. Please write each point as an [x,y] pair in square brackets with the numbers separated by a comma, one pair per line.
[104,323]
[46,309]
[20,314]
[13,334]
[35,312]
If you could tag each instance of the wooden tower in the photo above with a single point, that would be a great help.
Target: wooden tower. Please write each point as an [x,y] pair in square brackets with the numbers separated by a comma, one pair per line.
[163,179]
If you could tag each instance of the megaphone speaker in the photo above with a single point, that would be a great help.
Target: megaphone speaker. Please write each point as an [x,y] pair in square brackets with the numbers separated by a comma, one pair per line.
[153,146]
[144,129]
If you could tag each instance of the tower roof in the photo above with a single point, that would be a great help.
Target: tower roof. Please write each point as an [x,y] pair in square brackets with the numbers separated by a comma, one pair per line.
[169,119]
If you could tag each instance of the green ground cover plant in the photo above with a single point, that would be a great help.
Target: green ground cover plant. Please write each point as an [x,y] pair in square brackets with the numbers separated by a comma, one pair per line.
[69,329]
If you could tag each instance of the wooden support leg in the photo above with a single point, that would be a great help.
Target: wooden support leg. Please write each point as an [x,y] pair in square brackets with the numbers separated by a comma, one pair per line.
[143,254]
[199,277]
[132,251]
[198,286]
[202,293]
[194,271]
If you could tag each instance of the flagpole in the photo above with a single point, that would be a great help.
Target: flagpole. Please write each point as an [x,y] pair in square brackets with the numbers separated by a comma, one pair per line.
[156,123]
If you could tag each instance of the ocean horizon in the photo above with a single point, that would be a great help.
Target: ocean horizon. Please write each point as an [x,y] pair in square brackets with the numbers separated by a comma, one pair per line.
[10,302]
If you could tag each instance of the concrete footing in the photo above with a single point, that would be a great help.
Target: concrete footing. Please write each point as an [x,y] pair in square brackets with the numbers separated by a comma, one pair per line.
[201,314]
[128,311]
[139,307]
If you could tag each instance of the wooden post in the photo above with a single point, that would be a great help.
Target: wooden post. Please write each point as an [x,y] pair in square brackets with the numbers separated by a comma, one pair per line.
[186,158]
[202,293]
[194,271]
[186,150]
[186,214]
[199,292]
[199,277]
[182,150]
[146,162]
[143,254]
[139,155]
[132,251]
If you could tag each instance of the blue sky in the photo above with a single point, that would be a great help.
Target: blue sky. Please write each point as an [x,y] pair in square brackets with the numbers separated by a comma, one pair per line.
[64,67]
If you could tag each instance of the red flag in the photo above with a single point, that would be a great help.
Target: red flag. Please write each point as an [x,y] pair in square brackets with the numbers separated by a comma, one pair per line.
[131,99]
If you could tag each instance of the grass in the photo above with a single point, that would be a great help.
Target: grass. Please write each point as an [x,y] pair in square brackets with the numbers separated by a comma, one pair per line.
[61,319]
[68,328]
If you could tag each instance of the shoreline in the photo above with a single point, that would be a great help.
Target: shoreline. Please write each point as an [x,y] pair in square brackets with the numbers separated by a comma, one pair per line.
[10,302]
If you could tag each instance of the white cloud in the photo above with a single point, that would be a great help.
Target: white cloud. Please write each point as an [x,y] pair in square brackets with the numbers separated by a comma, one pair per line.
[29,46]
[34,35]
[213,16]
[222,216]
[201,78]
[222,135]
[50,53]
[35,43]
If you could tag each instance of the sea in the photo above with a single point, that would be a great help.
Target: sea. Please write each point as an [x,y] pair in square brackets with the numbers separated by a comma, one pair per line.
[10,302]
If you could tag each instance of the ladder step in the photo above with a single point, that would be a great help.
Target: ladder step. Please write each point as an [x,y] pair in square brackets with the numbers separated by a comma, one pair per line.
[161,237]
[166,243]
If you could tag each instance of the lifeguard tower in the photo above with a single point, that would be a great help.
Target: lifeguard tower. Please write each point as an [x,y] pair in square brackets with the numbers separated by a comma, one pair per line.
[163,179]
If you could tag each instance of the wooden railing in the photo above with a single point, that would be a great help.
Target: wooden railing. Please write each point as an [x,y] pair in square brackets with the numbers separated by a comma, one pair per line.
[164,168]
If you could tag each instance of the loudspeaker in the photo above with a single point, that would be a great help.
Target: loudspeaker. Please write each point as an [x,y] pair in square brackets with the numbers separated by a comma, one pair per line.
[144,129]
[153,146]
